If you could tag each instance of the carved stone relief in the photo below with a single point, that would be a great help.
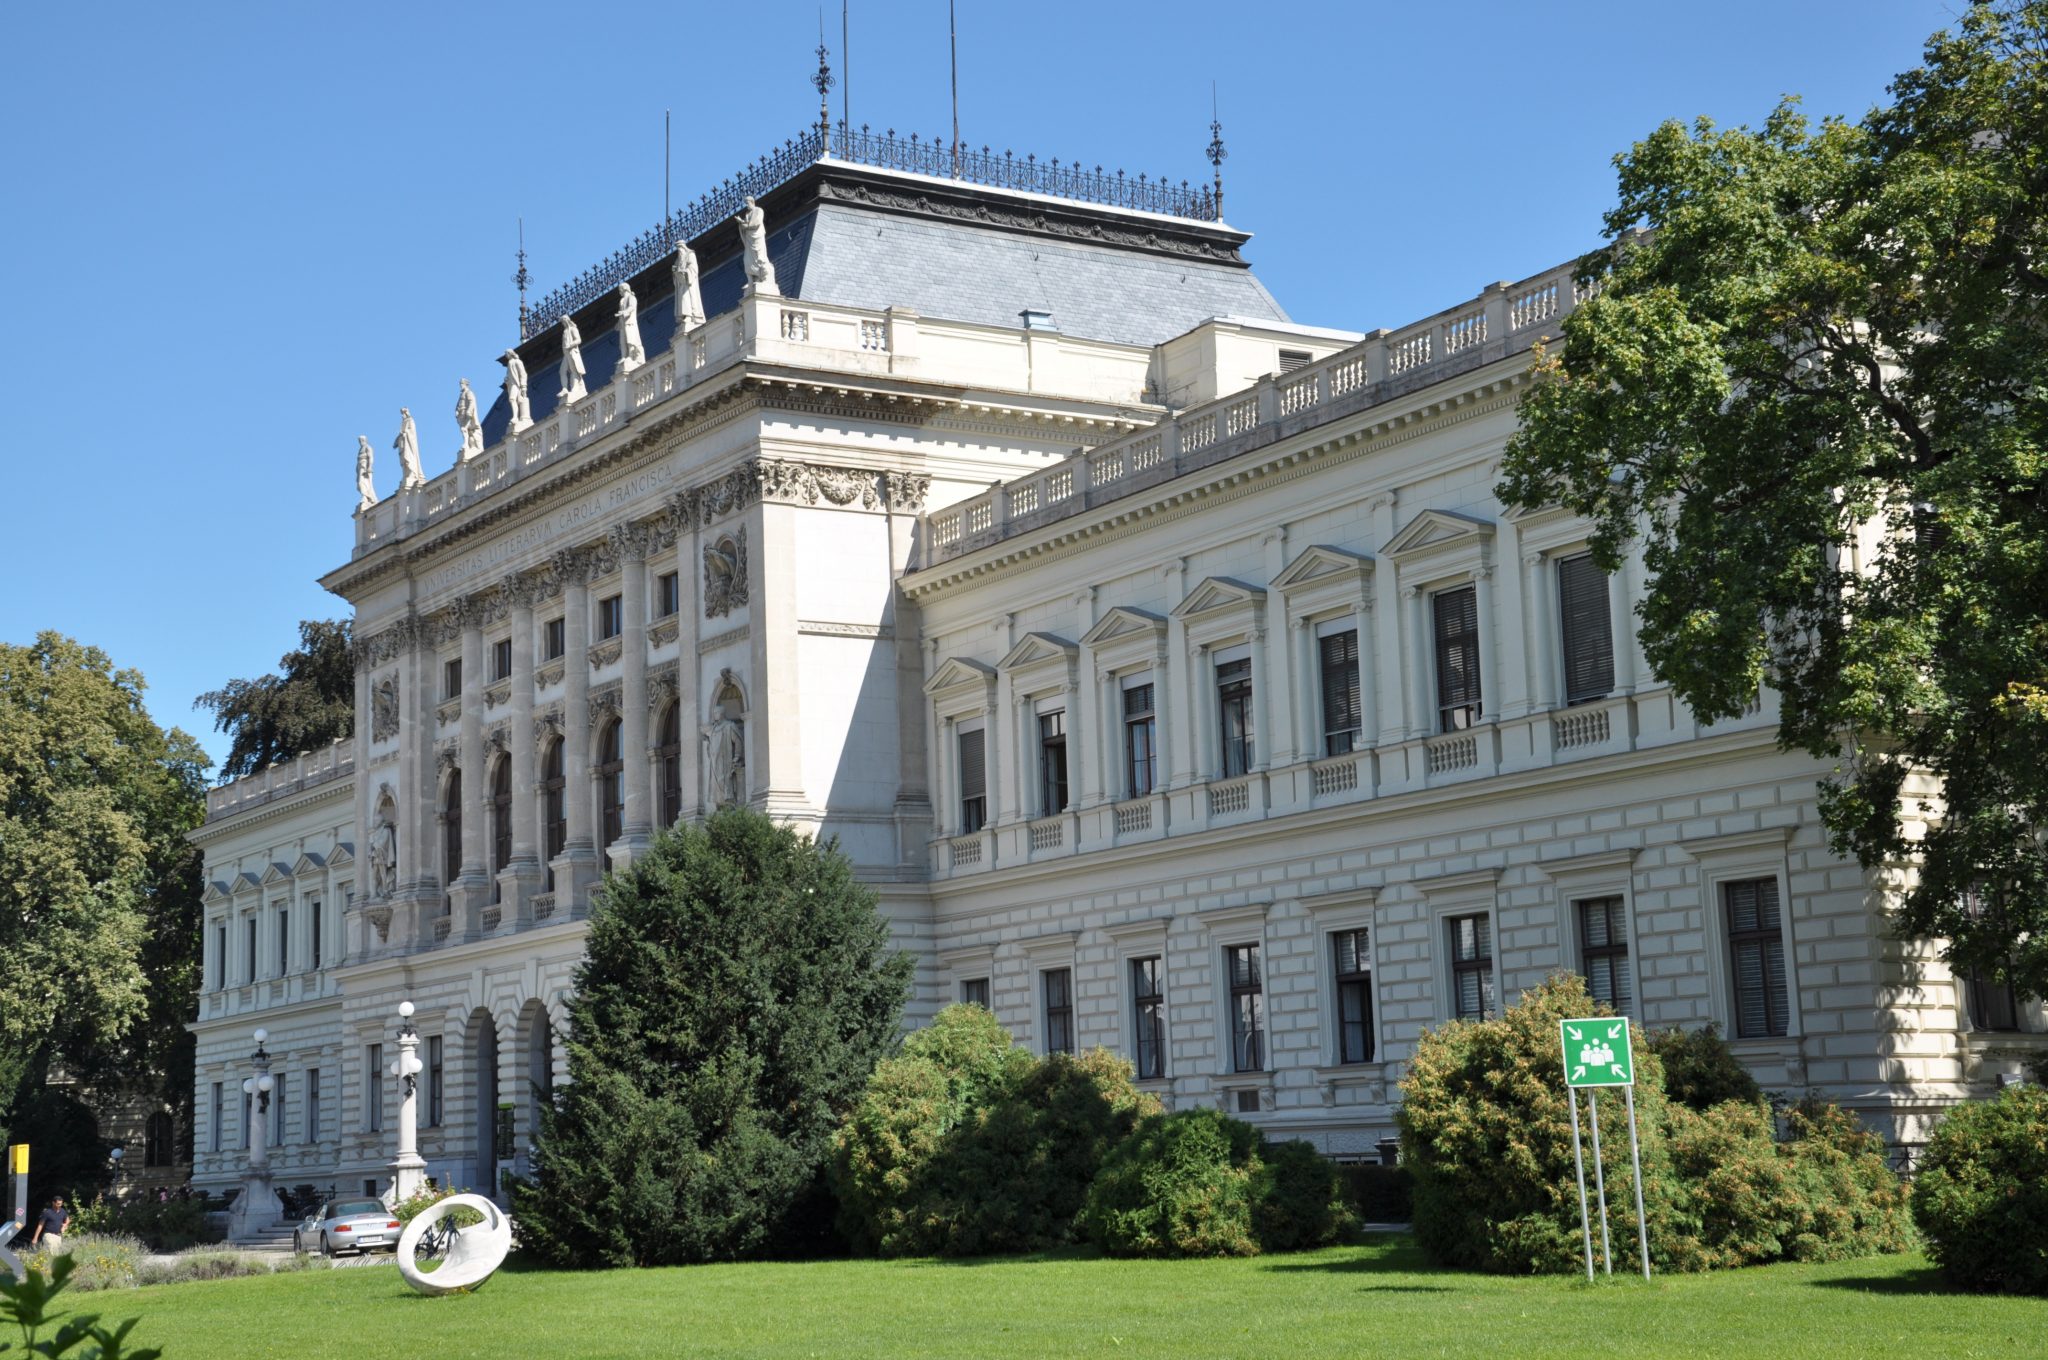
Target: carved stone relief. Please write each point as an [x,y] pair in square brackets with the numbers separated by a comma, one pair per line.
[384,709]
[725,574]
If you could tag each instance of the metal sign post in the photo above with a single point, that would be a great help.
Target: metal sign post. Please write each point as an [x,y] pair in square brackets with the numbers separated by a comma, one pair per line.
[1597,1054]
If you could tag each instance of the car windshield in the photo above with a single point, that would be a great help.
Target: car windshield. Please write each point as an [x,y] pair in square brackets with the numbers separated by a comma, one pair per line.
[351,1207]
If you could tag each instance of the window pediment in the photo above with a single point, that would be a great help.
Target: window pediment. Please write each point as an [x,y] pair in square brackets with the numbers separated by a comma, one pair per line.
[957,673]
[307,863]
[1435,531]
[277,873]
[1217,593]
[1321,565]
[343,853]
[219,890]
[1039,649]
[1124,624]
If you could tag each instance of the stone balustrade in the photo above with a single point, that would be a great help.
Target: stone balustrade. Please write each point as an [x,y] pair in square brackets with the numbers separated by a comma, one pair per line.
[303,771]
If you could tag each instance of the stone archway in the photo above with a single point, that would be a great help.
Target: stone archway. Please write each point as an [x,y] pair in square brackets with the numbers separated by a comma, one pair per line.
[483,1059]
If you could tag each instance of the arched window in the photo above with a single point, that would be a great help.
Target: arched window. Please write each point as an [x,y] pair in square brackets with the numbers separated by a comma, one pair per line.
[159,1136]
[501,820]
[611,781]
[451,830]
[671,747]
[553,810]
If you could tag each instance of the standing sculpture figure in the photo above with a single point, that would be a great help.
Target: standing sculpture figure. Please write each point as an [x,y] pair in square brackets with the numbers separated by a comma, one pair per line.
[515,393]
[366,466]
[754,238]
[465,418]
[631,355]
[689,297]
[725,741]
[383,857]
[408,446]
[572,363]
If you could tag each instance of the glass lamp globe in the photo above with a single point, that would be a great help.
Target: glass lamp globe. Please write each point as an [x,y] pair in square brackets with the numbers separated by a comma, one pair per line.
[249,1086]
[262,1035]
[266,1083]
[405,1010]
[413,1066]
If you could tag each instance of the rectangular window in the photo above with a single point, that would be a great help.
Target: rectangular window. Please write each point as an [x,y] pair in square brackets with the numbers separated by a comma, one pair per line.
[317,924]
[668,594]
[1341,708]
[1052,762]
[611,616]
[1247,1008]
[373,1088]
[1603,950]
[1756,957]
[974,992]
[1471,967]
[277,1090]
[973,781]
[1292,360]
[1993,1005]
[1587,628]
[1148,1018]
[451,679]
[501,659]
[248,1118]
[219,1109]
[312,1104]
[249,950]
[1059,1010]
[434,1081]
[1352,951]
[284,941]
[1140,749]
[220,961]
[554,639]
[1457,657]
[1234,712]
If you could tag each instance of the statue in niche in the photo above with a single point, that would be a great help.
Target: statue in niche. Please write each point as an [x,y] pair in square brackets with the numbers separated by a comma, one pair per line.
[572,363]
[408,446]
[516,399]
[725,748]
[366,467]
[725,574]
[384,852]
[631,355]
[754,239]
[466,420]
[689,296]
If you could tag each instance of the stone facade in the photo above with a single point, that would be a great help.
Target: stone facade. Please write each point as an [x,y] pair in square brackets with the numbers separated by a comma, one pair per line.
[903,580]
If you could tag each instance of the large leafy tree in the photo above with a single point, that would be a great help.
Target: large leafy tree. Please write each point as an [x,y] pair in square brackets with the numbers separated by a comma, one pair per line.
[1812,380]
[98,885]
[737,990]
[311,702]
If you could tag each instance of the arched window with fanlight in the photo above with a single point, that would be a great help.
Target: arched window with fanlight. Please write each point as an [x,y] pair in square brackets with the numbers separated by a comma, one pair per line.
[501,820]
[670,745]
[611,780]
[451,830]
[553,807]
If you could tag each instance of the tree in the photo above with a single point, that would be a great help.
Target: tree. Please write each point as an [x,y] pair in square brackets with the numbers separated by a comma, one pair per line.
[274,717]
[737,991]
[96,877]
[1812,382]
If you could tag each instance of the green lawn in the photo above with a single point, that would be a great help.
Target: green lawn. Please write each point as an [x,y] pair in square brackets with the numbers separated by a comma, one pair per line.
[1376,1300]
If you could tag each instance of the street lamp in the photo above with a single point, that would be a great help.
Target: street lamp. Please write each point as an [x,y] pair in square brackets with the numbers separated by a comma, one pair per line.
[114,1155]
[256,1199]
[408,1168]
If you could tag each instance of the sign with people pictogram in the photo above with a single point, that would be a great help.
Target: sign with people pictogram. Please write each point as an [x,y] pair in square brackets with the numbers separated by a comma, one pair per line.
[1596,1053]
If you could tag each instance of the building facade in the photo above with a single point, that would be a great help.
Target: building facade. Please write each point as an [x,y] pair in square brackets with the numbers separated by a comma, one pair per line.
[1171,670]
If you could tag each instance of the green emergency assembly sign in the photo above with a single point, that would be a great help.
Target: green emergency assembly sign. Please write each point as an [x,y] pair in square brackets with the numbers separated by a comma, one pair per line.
[1596,1053]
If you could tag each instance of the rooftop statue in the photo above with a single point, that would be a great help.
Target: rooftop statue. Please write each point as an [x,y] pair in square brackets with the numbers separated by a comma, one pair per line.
[572,363]
[408,446]
[515,393]
[366,466]
[754,237]
[631,355]
[689,297]
[465,418]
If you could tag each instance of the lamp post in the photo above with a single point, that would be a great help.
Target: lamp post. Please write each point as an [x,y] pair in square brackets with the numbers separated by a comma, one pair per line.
[114,1155]
[408,1168]
[256,1207]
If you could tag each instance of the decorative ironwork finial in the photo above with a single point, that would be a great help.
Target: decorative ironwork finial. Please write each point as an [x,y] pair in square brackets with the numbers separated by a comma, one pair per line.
[522,278]
[823,81]
[1217,155]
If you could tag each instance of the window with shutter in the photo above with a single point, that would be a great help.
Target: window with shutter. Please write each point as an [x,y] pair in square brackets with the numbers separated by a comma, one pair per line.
[1587,627]
[1603,950]
[973,781]
[1148,1018]
[1247,1008]
[1059,1010]
[1139,734]
[1340,691]
[1457,657]
[1234,715]
[1471,967]
[1756,956]
[1353,956]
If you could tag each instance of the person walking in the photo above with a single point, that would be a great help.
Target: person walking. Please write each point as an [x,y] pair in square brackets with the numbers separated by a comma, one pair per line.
[50,1227]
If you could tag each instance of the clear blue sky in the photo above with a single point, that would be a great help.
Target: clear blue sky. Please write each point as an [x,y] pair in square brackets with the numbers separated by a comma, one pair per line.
[236,236]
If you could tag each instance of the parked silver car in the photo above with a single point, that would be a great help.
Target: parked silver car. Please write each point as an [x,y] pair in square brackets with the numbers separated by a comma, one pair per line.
[347,1225]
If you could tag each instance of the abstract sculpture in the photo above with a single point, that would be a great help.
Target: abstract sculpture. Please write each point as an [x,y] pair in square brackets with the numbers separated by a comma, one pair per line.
[471,1255]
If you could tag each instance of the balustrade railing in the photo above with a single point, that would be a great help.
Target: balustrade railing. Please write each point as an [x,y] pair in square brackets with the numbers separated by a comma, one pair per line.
[304,771]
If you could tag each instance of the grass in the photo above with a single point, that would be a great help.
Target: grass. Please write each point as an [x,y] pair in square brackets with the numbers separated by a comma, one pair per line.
[1379,1299]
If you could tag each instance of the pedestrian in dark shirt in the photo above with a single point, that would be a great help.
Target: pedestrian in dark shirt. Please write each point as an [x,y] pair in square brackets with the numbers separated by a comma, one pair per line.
[50,1227]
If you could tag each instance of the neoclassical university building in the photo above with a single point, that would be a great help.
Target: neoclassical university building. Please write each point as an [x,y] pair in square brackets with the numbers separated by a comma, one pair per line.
[1171,670]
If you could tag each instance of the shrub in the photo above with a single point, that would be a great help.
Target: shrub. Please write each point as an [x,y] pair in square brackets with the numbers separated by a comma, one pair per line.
[736,992]
[1701,1070]
[1298,1199]
[26,1307]
[1181,1185]
[1981,1197]
[98,1261]
[1379,1194]
[425,1198]
[208,1263]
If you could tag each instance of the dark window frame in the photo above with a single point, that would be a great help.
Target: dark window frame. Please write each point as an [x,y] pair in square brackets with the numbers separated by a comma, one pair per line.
[501,659]
[1585,629]
[975,992]
[1059,1008]
[1767,941]
[437,1086]
[451,830]
[1472,957]
[249,950]
[1604,959]
[501,819]
[284,940]
[1337,667]
[554,638]
[312,1111]
[973,777]
[669,755]
[611,617]
[668,594]
[1236,719]
[1247,988]
[373,1093]
[611,782]
[1141,740]
[1148,1018]
[1455,639]
[318,926]
[451,678]
[1351,973]
[554,804]
[1052,762]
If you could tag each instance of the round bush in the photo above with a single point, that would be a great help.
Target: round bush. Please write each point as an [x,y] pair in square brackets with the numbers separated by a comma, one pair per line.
[1298,1199]
[1181,1185]
[1981,1197]
[1701,1070]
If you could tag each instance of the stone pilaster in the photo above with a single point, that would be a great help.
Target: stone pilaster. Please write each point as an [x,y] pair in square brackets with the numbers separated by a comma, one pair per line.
[471,891]
[576,870]
[521,878]
[636,823]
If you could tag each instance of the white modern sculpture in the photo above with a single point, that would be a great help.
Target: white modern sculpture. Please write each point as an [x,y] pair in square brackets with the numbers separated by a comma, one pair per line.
[9,1259]
[472,1253]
